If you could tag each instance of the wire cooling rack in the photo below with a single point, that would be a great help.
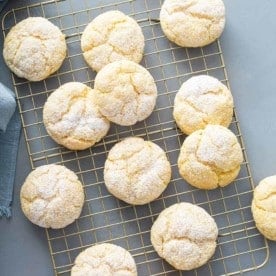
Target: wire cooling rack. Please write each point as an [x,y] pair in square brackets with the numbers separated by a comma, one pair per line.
[104,218]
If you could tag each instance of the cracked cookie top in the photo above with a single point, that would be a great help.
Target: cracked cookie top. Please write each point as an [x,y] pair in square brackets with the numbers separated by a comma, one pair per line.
[72,118]
[112,36]
[34,48]
[202,100]
[192,23]
[52,196]
[136,171]
[126,92]
[104,259]
[184,235]
[210,158]
[264,207]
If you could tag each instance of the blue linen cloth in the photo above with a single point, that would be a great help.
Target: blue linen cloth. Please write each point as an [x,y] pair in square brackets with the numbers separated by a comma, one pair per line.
[2,4]
[10,127]
[7,106]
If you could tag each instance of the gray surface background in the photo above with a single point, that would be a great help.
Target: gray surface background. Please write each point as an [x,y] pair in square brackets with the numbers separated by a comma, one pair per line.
[248,45]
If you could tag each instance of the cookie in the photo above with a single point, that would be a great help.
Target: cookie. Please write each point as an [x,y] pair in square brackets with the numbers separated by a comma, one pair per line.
[185,236]
[202,100]
[126,92]
[104,259]
[52,196]
[71,117]
[192,23]
[264,207]
[34,48]
[112,36]
[210,158]
[136,171]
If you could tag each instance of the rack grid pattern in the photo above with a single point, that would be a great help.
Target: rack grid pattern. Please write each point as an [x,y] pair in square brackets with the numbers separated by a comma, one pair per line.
[104,218]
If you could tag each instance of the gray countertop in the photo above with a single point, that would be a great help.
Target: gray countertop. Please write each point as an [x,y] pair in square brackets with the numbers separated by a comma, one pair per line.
[248,45]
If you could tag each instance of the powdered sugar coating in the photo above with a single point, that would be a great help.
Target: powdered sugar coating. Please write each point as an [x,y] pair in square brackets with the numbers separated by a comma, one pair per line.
[52,196]
[202,100]
[136,171]
[126,92]
[192,23]
[112,36]
[72,118]
[210,158]
[34,48]
[184,235]
[104,259]
[264,207]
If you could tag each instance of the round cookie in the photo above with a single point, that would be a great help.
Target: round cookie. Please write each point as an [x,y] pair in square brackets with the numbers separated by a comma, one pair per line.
[184,235]
[202,100]
[112,36]
[210,158]
[52,196]
[192,23]
[104,259]
[136,171]
[34,48]
[126,92]
[264,207]
[72,118]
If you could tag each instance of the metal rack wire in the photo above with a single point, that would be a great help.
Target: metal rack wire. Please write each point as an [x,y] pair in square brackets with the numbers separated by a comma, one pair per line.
[105,219]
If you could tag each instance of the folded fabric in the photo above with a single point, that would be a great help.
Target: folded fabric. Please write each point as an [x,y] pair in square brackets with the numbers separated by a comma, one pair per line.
[7,106]
[8,147]
[2,4]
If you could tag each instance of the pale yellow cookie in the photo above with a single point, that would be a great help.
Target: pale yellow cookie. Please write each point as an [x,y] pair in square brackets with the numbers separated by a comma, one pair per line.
[210,158]
[136,171]
[34,48]
[104,260]
[192,23]
[185,236]
[126,92]
[264,207]
[112,36]
[52,196]
[202,100]
[72,118]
